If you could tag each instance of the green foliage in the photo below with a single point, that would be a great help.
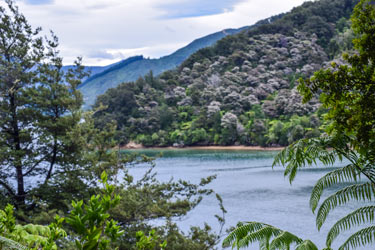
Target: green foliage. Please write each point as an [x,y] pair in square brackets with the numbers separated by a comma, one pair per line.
[351,102]
[91,221]
[162,201]
[361,238]
[196,239]
[269,237]
[15,236]
[149,242]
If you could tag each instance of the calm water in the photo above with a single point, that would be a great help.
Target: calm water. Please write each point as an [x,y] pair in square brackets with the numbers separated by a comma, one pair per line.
[250,188]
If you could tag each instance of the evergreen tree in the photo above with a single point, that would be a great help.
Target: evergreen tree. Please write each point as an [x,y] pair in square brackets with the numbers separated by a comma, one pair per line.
[39,107]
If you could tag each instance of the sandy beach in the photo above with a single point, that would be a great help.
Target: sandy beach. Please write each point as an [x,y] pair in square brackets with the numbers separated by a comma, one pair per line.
[133,145]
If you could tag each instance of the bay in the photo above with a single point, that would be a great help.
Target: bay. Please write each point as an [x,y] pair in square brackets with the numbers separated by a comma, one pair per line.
[251,189]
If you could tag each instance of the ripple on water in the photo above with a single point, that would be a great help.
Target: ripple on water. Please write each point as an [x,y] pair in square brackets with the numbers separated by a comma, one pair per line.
[250,188]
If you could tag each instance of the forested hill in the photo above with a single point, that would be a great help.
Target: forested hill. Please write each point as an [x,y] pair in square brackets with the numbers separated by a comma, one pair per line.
[103,78]
[133,68]
[240,91]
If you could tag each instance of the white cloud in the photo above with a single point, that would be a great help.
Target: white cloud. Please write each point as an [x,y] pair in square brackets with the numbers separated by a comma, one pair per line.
[105,31]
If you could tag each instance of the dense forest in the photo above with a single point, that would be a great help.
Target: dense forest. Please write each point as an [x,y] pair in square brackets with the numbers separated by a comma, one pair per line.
[241,91]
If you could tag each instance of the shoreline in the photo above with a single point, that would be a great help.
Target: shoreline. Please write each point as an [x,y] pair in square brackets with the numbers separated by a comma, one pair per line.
[244,148]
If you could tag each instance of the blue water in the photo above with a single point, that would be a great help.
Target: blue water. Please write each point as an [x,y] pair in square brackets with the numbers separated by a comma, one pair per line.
[250,188]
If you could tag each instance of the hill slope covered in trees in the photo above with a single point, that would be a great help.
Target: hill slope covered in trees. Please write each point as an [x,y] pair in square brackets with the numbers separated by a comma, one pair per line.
[242,90]
[134,67]
[103,78]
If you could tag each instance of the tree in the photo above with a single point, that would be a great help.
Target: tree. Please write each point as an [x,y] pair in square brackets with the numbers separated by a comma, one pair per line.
[348,92]
[39,106]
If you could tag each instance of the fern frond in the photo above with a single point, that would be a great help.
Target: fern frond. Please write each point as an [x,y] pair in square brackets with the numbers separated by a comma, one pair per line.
[369,172]
[363,237]
[305,152]
[345,174]
[358,192]
[252,232]
[264,233]
[359,216]
[283,240]
[241,231]
[307,245]
[10,244]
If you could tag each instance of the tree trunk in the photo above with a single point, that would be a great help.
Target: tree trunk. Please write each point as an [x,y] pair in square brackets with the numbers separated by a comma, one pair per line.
[53,160]
[20,186]
[20,197]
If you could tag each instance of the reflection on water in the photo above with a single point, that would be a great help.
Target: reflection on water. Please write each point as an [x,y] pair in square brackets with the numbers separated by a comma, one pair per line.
[251,189]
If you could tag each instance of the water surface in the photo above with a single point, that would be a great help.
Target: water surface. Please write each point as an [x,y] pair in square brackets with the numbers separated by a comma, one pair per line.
[250,188]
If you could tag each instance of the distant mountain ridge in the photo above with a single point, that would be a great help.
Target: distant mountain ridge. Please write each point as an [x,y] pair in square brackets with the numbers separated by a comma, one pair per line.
[93,70]
[103,78]
[101,71]
[134,67]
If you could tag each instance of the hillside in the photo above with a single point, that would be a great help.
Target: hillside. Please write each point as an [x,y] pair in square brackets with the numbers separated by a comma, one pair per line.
[98,83]
[103,78]
[242,90]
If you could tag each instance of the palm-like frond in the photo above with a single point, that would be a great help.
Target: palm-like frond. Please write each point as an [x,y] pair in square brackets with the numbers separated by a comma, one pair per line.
[369,172]
[263,234]
[307,245]
[251,232]
[327,150]
[241,231]
[6,243]
[284,240]
[358,192]
[363,237]
[305,152]
[359,216]
[345,174]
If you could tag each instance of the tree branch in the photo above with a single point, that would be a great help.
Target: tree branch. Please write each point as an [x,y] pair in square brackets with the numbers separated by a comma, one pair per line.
[355,164]
[8,188]
[34,166]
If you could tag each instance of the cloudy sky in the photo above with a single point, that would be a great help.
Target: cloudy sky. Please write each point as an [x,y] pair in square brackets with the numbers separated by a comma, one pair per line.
[106,31]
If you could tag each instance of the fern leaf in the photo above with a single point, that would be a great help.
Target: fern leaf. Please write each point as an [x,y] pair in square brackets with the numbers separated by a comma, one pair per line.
[305,152]
[283,240]
[241,231]
[358,192]
[264,233]
[359,216]
[363,237]
[307,245]
[345,174]
[10,244]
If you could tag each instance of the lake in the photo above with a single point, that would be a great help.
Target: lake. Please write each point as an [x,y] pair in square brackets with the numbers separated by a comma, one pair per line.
[250,188]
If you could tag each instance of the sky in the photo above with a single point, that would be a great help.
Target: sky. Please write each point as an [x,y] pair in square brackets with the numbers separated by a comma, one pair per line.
[107,31]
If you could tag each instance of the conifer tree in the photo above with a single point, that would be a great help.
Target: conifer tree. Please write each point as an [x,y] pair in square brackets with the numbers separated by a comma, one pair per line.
[39,107]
